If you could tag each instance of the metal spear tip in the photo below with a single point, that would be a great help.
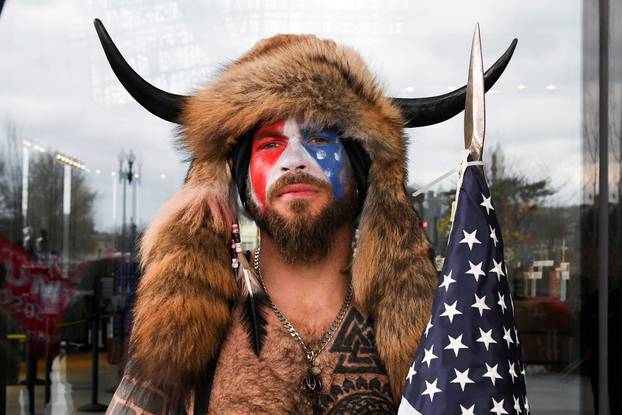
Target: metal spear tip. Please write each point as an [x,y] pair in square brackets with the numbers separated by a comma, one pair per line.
[475,106]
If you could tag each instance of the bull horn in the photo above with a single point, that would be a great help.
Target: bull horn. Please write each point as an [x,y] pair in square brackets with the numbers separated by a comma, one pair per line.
[158,102]
[419,112]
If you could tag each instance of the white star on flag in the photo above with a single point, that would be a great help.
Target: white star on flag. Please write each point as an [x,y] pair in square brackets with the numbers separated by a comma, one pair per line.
[431,389]
[447,281]
[501,302]
[475,270]
[487,203]
[455,344]
[470,239]
[526,405]
[517,405]
[497,269]
[450,311]
[512,371]
[428,327]
[462,378]
[497,407]
[480,304]
[516,335]
[486,337]
[491,373]
[429,355]
[411,372]
[493,236]
[467,411]
[507,336]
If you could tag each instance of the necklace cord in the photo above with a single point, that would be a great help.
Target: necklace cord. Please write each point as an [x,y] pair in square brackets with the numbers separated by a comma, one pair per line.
[310,354]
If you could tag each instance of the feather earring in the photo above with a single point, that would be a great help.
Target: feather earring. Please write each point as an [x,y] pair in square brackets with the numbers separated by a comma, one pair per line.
[253,311]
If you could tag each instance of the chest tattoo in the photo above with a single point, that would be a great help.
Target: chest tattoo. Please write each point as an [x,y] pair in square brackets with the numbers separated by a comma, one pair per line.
[356,346]
[353,377]
[360,384]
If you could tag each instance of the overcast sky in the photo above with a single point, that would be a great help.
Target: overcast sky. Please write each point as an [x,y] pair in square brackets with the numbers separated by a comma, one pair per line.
[57,86]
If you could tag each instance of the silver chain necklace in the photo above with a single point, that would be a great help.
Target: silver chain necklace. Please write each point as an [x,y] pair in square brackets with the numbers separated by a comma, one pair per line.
[311,382]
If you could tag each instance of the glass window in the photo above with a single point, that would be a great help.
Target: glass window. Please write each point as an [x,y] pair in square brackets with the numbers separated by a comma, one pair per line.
[84,168]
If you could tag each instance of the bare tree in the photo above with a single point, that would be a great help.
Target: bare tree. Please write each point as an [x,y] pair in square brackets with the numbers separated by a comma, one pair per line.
[11,220]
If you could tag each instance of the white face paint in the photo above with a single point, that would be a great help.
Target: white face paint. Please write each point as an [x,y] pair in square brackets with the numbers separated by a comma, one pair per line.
[295,157]
[285,147]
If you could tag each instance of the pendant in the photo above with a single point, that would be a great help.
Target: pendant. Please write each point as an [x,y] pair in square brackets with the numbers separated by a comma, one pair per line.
[312,383]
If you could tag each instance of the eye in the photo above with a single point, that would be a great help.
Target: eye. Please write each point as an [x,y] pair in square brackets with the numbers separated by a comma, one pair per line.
[318,140]
[270,145]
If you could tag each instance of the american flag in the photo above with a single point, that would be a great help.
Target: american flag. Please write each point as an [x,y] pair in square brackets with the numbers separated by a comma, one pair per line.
[469,360]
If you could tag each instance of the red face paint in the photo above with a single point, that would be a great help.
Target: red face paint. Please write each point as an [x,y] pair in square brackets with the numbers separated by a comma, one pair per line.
[268,144]
[284,147]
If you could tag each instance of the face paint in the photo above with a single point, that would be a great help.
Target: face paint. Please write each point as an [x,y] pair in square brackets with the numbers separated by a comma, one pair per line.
[329,153]
[283,147]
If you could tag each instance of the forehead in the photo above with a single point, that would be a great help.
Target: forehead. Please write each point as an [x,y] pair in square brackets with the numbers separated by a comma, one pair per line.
[291,127]
[269,128]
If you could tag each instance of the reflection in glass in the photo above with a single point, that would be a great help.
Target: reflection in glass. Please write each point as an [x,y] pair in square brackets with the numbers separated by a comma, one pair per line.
[69,225]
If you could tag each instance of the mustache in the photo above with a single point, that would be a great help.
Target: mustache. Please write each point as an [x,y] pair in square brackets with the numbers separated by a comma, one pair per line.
[297,178]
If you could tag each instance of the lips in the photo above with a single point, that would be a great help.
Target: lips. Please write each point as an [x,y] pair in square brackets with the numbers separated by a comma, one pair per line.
[299,189]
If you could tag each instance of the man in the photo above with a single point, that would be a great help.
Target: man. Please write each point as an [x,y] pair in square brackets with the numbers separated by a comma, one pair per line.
[300,130]
[303,196]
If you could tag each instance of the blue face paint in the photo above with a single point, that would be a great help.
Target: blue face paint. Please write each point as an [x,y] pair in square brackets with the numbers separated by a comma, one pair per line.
[326,147]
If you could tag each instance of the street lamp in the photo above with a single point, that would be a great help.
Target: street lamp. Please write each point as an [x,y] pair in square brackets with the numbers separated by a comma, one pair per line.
[25,167]
[126,176]
[136,195]
[69,163]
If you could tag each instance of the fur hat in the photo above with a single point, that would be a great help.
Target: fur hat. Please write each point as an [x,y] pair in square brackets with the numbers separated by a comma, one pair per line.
[183,304]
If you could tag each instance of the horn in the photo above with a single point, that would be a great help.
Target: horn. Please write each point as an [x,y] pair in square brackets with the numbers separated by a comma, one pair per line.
[158,102]
[419,112]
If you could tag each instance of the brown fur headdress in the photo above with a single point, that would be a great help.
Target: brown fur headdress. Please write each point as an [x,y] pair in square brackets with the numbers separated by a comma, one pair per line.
[183,303]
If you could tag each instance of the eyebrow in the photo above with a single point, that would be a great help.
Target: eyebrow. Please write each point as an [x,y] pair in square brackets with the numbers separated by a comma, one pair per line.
[266,137]
[317,130]
[269,130]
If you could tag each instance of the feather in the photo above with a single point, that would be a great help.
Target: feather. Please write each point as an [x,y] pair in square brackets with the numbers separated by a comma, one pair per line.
[253,316]
[248,279]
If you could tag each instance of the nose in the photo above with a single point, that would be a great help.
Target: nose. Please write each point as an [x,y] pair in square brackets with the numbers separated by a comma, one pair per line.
[295,158]
[293,167]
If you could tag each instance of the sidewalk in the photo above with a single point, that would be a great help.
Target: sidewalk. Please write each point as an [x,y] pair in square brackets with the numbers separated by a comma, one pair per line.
[78,376]
[555,394]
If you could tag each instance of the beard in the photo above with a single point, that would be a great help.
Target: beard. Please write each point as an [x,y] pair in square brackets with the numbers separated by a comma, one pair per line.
[304,237]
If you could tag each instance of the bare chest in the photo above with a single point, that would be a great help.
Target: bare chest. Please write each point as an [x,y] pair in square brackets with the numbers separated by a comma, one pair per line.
[353,378]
